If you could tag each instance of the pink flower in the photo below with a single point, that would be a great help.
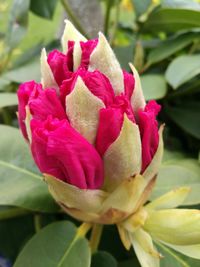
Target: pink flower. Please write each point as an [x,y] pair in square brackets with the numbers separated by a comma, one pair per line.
[91,127]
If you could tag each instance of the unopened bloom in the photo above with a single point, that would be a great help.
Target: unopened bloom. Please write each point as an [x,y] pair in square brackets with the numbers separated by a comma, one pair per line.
[90,131]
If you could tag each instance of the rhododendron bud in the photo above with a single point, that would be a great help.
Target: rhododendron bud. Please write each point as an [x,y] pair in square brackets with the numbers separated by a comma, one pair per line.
[90,131]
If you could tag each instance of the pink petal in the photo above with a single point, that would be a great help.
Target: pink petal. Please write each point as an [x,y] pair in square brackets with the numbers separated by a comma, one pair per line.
[87,48]
[98,84]
[62,152]
[149,132]
[110,123]
[129,84]
[23,93]
[45,102]
[61,65]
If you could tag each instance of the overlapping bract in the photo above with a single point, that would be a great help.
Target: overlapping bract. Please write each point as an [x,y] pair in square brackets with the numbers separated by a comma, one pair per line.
[87,123]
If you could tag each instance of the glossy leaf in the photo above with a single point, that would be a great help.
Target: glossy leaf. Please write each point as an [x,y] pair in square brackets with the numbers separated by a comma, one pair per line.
[8,99]
[169,47]
[21,185]
[154,86]
[187,117]
[103,259]
[172,20]
[182,69]
[56,245]
[44,8]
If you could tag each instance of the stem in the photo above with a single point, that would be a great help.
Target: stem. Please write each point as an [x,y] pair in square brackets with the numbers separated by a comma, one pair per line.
[12,213]
[115,26]
[83,229]
[95,236]
[107,16]
[37,222]
[73,17]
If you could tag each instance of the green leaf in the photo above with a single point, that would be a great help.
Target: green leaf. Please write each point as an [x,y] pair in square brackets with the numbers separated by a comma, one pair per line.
[29,71]
[177,173]
[44,8]
[170,258]
[154,86]
[180,4]
[21,185]
[18,22]
[4,83]
[169,47]
[103,259]
[141,6]
[56,245]
[171,20]
[182,69]
[8,99]
[187,117]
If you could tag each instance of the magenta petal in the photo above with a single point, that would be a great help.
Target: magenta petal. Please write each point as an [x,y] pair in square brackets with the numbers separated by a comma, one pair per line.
[45,102]
[23,93]
[149,132]
[87,48]
[58,64]
[60,151]
[129,84]
[110,123]
[98,84]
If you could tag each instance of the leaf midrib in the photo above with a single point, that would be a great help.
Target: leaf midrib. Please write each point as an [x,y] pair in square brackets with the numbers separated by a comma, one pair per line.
[19,169]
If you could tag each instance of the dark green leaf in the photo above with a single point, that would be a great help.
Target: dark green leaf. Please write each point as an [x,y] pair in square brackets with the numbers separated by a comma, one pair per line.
[172,20]
[21,185]
[187,117]
[55,246]
[8,99]
[170,46]
[103,259]
[18,22]
[43,8]
[182,69]
[154,86]
[13,235]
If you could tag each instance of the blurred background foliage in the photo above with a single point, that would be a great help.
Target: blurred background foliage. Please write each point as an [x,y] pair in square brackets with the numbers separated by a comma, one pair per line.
[162,40]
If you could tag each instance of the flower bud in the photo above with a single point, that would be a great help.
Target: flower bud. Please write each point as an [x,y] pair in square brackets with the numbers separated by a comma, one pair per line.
[90,131]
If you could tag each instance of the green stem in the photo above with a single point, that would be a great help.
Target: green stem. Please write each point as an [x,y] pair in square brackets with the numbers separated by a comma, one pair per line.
[107,16]
[73,17]
[95,236]
[12,213]
[37,222]
[115,26]
[184,264]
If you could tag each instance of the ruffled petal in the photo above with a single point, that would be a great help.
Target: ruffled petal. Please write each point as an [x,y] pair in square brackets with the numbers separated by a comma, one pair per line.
[87,49]
[62,152]
[110,123]
[149,131]
[99,85]
[23,94]
[43,103]
[129,84]
[60,64]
